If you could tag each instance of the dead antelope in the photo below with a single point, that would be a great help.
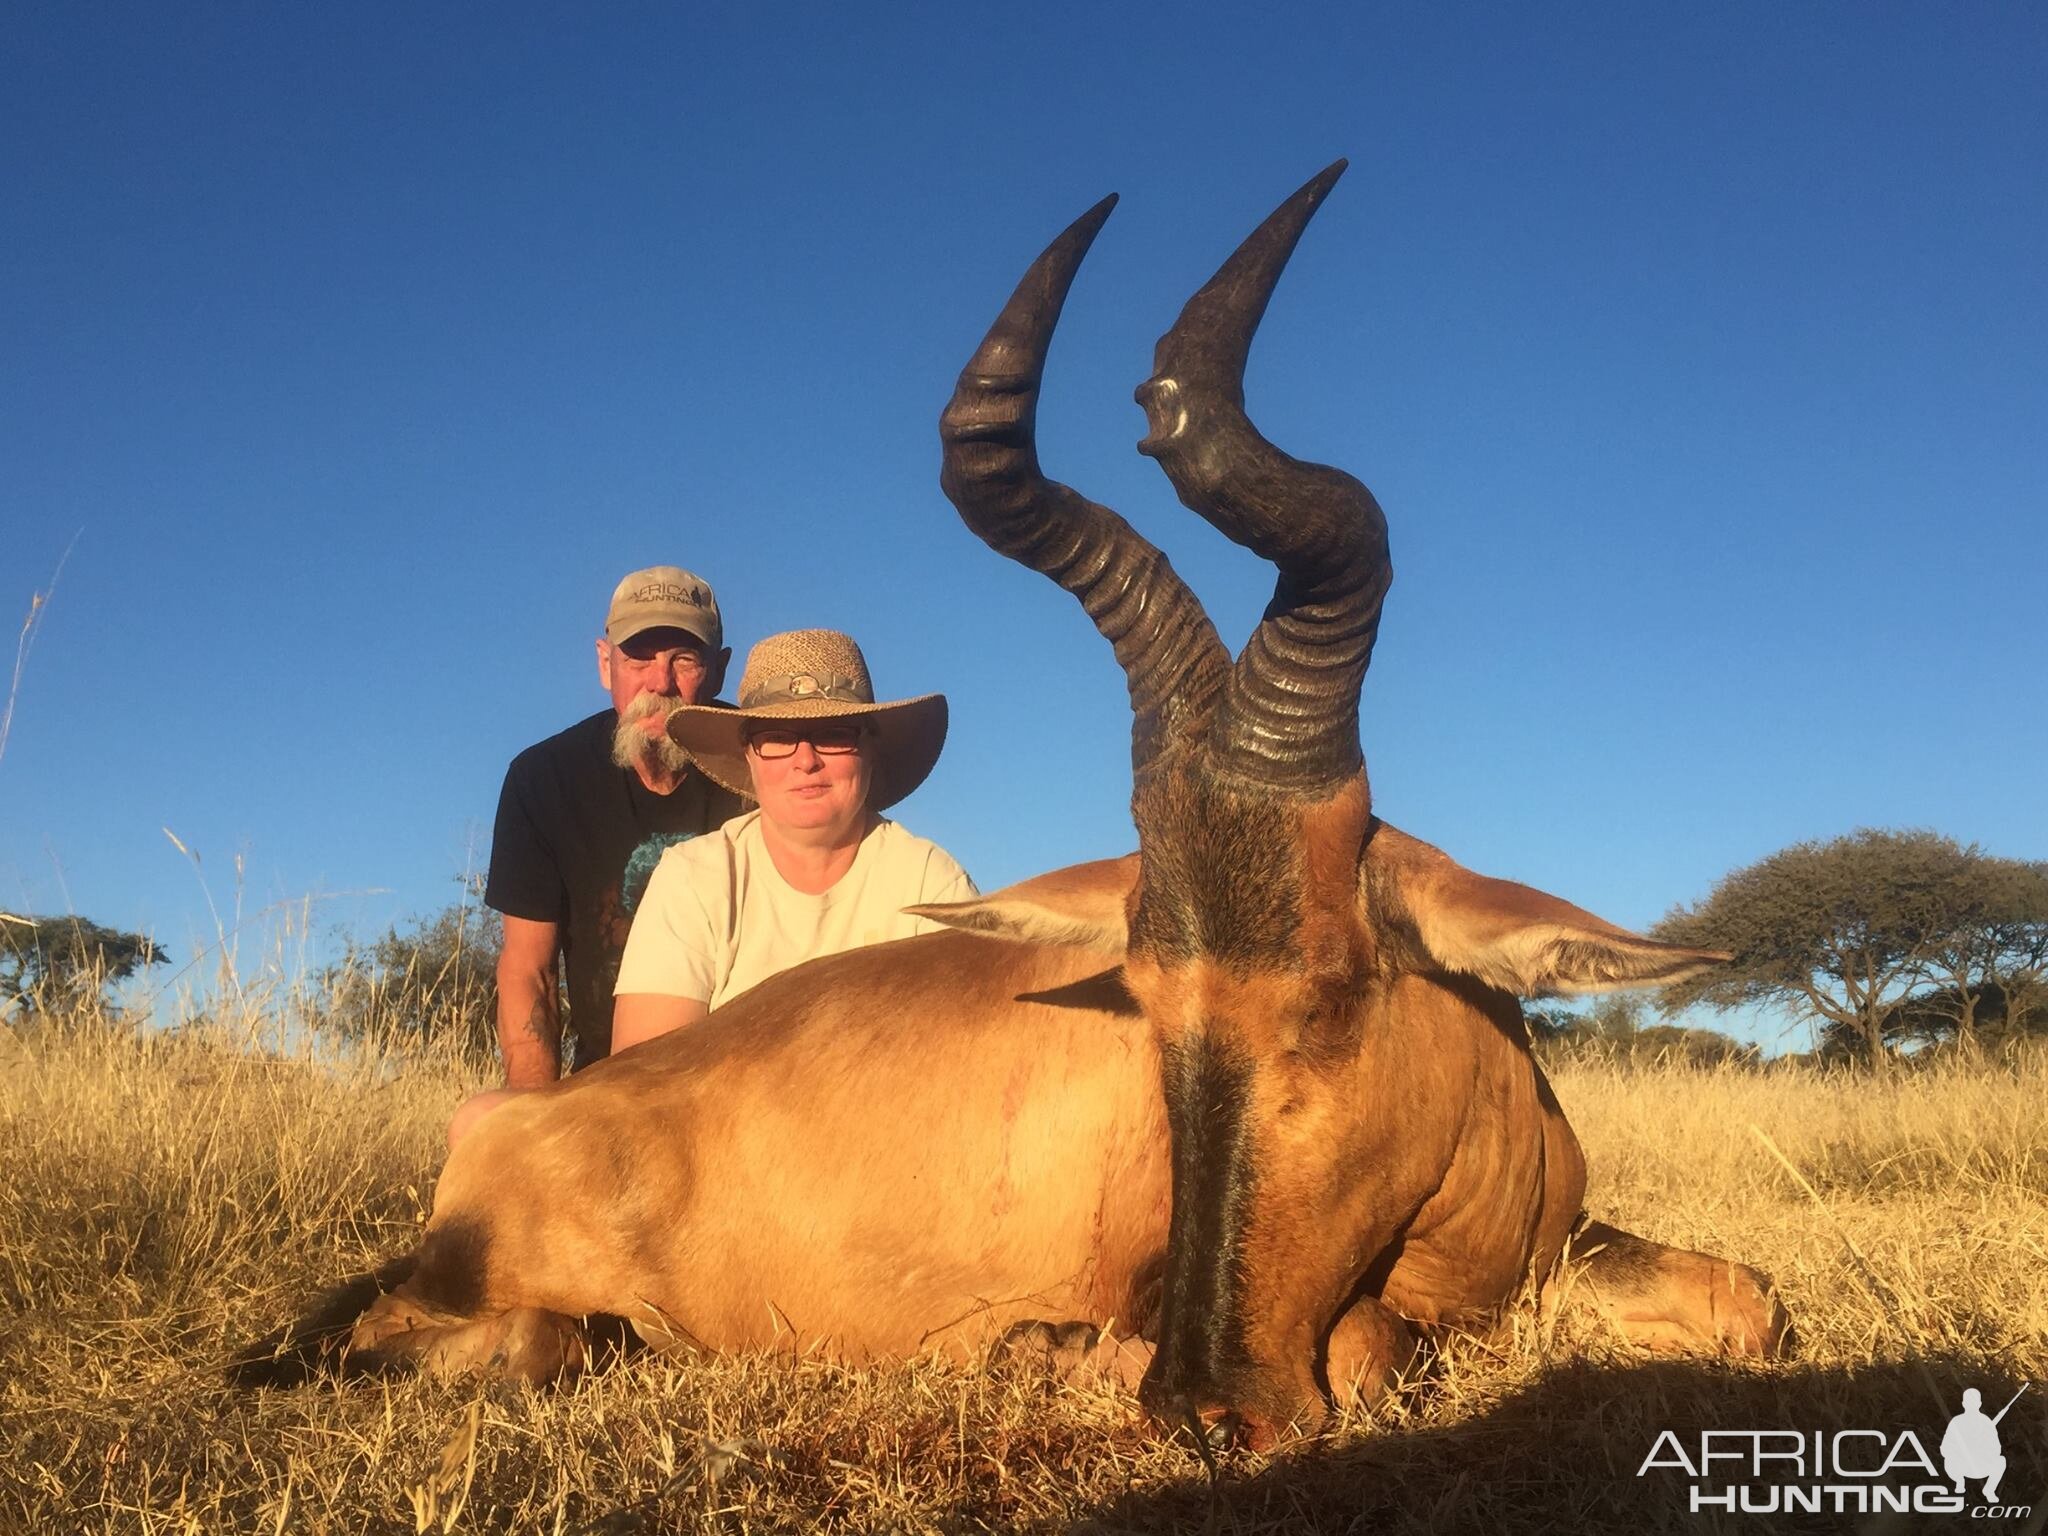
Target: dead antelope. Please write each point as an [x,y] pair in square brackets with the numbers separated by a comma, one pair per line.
[1259,1094]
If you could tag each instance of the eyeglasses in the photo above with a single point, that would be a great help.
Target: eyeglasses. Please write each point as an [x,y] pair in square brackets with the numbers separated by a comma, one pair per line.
[825,740]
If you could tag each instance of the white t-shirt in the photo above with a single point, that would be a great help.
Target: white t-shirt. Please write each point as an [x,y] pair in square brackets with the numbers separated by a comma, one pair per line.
[718,917]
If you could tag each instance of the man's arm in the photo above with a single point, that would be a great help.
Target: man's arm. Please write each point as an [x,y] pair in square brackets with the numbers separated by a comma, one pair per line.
[529,1012]
[638,1016]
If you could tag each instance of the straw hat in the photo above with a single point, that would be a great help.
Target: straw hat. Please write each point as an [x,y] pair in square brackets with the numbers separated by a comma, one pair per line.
[815,674]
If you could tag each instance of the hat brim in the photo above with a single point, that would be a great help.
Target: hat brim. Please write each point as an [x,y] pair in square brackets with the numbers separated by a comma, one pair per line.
[695,624]
[908,737]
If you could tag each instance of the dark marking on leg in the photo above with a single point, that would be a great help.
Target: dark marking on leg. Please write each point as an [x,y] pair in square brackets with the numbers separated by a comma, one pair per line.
[1054,1349]
[450,1275]
[1673,1300]
[1622,1258]
[295,1353]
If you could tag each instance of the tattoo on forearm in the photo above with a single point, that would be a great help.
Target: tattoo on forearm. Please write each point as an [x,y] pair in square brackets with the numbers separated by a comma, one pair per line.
[529,1033]
[544,1029]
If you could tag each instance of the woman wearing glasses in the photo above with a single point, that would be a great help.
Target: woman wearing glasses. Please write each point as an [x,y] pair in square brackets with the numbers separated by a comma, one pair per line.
[816,869]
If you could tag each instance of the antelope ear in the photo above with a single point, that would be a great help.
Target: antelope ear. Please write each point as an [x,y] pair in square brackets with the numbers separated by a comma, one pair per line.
[1436,915]
[1078,908]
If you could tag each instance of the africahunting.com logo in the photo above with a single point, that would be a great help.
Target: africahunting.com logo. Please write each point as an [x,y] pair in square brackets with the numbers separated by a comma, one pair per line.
[1843,1471]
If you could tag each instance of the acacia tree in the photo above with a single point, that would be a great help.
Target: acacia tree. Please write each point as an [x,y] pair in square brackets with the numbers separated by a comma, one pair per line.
[1853,931]
[1946,1013]
[1995,961]
[56,965]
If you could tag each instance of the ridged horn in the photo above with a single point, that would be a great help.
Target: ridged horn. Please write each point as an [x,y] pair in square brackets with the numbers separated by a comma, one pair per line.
[1171,656]
[1289,713]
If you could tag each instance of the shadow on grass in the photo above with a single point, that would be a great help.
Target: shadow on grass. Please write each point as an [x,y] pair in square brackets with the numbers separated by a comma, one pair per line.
[1565,1454]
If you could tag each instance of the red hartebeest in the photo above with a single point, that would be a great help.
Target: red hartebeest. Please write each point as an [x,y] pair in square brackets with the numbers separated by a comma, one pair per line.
[1259,1093]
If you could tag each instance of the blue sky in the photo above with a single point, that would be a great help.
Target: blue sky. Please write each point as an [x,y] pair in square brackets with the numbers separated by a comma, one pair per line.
[1696,355]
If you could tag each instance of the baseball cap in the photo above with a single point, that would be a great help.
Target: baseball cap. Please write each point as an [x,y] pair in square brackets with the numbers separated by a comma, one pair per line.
[664,597]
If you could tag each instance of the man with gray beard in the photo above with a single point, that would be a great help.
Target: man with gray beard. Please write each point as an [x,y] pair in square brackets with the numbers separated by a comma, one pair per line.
[585,815]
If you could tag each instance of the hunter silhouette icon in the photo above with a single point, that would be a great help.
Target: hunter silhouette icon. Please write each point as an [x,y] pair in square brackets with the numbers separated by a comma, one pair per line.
[1970,1447]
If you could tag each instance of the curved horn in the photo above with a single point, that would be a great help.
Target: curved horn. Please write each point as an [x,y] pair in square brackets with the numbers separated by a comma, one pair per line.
[1289,715]
[1171,656]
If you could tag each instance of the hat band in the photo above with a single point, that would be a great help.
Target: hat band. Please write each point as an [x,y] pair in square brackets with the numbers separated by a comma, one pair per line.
[805,685]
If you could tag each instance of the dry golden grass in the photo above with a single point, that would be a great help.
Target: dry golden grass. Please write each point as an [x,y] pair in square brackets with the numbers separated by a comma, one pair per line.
[165,1198]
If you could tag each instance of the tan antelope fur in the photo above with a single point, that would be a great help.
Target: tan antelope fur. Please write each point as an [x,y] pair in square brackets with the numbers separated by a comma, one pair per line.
[1257,1097]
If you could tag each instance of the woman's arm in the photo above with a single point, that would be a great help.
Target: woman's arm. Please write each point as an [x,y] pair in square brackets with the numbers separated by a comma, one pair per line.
[667,972]
[638,1016]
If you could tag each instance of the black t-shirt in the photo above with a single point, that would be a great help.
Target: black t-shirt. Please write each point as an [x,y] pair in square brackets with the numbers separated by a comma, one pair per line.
[576,839]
